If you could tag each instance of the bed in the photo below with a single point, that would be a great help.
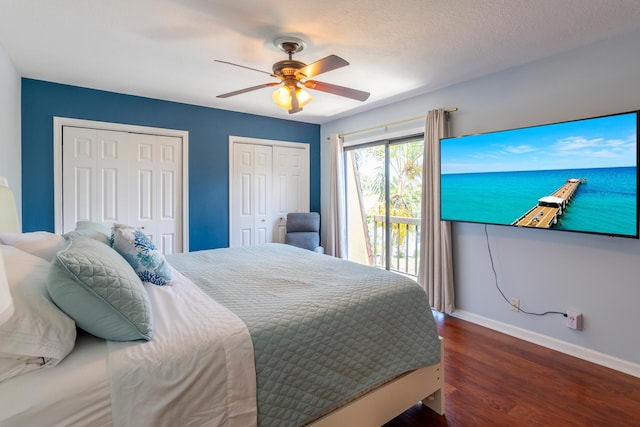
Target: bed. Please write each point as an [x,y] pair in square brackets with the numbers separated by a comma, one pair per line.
[266,335]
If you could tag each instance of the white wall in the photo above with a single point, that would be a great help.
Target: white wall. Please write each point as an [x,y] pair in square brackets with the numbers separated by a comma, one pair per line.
[601,276]
[10,135]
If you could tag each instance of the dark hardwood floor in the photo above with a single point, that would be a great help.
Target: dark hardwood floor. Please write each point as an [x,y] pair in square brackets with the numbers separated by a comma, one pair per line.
[494,380]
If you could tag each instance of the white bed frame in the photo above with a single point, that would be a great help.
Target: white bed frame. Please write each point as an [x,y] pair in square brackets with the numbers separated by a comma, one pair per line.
[392,399]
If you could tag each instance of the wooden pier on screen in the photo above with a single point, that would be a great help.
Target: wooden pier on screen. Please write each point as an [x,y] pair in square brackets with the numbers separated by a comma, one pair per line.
[550,208]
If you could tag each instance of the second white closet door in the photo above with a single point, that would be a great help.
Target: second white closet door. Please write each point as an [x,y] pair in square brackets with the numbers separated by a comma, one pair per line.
[290,186]
[267,182]
[251,195]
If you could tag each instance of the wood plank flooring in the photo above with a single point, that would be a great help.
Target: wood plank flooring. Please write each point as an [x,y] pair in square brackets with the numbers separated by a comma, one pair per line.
[493,379]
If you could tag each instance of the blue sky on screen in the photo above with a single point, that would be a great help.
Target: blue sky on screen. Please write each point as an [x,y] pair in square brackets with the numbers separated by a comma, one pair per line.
[591,143]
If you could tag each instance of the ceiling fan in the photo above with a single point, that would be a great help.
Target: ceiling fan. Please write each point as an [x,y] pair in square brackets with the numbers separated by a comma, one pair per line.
[294,77]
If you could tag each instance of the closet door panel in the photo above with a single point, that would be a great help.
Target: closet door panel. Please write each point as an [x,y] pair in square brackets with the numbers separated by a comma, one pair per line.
[291,186]
[94,176]
[142,192]
[262,196]
[156,193]
[169,172]
[241,197]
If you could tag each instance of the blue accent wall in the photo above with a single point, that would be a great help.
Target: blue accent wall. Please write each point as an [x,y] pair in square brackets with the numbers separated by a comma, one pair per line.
[209,130]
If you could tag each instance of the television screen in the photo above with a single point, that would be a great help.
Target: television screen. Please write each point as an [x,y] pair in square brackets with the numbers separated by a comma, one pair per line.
[574,176]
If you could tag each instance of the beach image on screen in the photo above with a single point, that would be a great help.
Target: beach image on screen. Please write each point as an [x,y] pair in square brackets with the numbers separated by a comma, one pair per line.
[575,176]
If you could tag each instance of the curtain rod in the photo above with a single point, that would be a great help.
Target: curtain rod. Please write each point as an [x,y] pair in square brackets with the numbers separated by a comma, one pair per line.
[342,135]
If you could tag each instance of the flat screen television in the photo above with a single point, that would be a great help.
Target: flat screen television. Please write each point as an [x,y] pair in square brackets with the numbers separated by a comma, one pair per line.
[577,176]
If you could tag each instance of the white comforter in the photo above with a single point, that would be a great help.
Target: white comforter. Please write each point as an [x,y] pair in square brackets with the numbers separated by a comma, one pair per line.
[197,371]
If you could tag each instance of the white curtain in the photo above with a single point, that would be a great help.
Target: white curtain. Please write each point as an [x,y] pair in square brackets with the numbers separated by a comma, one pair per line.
[336,222]
[435,271]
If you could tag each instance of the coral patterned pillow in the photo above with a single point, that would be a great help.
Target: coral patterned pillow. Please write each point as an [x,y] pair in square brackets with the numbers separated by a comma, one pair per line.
[142,254]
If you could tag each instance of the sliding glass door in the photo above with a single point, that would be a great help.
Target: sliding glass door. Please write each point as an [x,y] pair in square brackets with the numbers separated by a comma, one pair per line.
[384,193]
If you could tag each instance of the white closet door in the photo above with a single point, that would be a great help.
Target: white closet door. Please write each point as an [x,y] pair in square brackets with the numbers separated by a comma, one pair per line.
[94,176]
[155,170]
[290,185]
[128,178]
[251,195]
[169,223]
[242,195]
[262,183]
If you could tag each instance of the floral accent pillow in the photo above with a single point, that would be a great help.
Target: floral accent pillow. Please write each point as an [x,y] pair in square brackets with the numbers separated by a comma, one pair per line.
[142,254]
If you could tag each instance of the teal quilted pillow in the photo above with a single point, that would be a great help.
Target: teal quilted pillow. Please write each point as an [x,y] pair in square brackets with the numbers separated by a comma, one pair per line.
[142,254]
[98,289]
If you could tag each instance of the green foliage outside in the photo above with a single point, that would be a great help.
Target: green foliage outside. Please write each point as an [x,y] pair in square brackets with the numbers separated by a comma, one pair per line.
[405,184]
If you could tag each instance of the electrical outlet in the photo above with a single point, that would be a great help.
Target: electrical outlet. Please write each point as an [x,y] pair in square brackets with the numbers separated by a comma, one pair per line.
[515,304]
[574,320]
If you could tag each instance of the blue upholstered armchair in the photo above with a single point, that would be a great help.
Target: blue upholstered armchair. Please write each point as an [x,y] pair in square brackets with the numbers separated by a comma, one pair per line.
[303,231]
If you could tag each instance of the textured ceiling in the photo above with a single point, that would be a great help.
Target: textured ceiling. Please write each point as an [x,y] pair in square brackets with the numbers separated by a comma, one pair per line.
[165,48]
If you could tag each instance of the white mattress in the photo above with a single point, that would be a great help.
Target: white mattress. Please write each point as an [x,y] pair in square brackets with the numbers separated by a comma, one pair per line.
[198,370]
[76,392]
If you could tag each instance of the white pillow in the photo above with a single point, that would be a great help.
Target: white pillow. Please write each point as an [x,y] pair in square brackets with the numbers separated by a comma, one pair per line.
[39,243]
[93,230]
[12,366]
[38,329]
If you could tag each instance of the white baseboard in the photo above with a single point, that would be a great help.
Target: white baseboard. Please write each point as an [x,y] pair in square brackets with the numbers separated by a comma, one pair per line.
[552,343]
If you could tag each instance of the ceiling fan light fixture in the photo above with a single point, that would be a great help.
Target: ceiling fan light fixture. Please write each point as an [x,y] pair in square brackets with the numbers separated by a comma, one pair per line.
[293,75]
[303,96]
[282,97]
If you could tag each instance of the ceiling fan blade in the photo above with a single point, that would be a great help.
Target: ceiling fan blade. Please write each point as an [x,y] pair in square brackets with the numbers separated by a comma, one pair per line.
[248,68]
[337,90]
[249,89]
[323,65]
[295,105]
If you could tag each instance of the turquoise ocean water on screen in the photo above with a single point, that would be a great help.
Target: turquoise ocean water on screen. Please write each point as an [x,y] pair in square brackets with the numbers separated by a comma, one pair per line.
[605,204]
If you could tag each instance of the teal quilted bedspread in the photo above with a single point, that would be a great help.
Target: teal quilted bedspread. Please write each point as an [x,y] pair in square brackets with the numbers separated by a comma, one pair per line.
[323,329]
